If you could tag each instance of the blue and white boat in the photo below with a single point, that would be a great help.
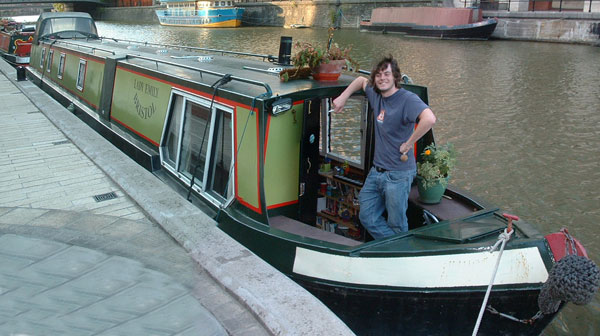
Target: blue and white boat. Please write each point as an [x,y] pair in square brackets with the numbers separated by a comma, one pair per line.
[200,14]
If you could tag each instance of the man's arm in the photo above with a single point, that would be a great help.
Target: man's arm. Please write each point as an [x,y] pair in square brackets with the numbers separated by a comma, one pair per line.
[357,84]
[426,121]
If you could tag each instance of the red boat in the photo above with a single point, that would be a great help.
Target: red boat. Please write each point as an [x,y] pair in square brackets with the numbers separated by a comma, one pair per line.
[431,22]
[15,43]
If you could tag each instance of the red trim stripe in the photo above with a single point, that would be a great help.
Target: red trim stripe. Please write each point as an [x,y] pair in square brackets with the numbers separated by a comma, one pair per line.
[274,206]
[248,205]
[134,131]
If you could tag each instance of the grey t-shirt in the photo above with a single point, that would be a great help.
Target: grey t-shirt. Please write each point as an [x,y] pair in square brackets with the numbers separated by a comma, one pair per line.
[394,118]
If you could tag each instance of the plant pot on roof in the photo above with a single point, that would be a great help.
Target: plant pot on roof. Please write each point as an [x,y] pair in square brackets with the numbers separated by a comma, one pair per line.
[321,63]
[433,171]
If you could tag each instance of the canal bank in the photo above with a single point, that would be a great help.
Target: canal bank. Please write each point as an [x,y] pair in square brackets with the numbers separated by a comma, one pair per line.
[281,306]
[564,27]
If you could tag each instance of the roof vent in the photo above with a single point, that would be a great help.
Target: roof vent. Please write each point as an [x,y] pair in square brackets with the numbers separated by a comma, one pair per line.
[204,59]
[275,69]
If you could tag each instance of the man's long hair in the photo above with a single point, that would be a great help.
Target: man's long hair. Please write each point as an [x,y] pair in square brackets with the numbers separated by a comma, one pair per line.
[381,66]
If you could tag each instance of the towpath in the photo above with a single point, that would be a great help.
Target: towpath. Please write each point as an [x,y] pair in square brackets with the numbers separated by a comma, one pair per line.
[79,255]
[76,261]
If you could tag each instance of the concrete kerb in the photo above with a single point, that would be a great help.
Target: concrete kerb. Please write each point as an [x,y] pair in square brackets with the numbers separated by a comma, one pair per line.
[283,306]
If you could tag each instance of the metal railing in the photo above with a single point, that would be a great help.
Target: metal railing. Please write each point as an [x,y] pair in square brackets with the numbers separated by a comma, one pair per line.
[269,92]
[269,58]
[93,49]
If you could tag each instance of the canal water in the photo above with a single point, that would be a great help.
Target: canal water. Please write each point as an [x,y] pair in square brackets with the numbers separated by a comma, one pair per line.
[524,116]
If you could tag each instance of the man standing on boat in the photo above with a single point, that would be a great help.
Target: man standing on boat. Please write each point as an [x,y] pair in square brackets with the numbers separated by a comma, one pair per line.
[396,112]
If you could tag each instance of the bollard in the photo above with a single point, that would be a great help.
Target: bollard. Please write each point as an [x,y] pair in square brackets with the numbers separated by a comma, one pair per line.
[21,73]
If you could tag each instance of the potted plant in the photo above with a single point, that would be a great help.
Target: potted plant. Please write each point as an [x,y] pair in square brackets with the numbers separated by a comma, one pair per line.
[322,63]
[433,172]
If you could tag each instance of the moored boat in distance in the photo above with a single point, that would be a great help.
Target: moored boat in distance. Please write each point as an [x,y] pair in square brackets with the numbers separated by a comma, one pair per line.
[431,22]
[208,14]
[15,42]
[263,158]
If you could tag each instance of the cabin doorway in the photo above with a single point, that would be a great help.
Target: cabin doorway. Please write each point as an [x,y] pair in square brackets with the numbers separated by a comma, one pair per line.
[309,161]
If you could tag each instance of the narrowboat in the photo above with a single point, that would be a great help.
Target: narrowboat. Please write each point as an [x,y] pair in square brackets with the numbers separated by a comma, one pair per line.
[431,22]
[206,14]
[264,158]
[15,43]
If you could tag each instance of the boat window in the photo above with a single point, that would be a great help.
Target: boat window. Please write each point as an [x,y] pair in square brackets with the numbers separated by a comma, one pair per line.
[42,58]
[57,25]
[81,74]
[198,145]
[49,62]
[221,160]
[195,139]
[172,144]
[61,65]
[343,133]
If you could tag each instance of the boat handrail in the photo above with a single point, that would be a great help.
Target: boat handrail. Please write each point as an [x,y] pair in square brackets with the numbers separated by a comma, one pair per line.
[218,74]
[82,45]
[270,58]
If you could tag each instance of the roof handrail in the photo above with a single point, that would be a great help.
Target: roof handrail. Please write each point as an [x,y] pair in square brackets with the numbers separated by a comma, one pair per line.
[270,58]
[239,79]
[80,45]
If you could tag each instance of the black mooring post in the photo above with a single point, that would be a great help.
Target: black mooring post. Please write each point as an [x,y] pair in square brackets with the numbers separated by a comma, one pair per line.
[21,73]
[285,50]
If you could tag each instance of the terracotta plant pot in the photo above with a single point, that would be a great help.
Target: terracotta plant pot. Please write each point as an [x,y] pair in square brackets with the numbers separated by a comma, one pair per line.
[329,71]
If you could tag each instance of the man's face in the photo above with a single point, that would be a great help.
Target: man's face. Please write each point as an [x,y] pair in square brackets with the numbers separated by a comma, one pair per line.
[384,79]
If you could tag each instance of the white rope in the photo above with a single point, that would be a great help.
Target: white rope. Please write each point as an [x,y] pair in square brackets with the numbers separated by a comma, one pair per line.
[502,238]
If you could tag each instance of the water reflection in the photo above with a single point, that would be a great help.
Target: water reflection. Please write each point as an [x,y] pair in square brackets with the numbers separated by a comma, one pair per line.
[523,115]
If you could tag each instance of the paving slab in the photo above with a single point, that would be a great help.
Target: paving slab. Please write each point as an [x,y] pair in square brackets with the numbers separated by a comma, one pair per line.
[79,291]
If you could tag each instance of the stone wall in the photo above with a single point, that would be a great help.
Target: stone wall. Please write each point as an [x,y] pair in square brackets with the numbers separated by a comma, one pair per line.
[129,14]
[318,13]
[566,27]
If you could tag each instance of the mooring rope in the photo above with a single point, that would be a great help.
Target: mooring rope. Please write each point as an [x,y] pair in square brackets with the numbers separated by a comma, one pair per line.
[502,239]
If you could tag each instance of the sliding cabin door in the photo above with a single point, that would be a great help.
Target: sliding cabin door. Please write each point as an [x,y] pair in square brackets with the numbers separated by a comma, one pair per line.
[197,146]
[309,162]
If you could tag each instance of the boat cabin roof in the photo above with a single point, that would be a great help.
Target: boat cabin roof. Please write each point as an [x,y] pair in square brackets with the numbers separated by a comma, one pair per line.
[252,76]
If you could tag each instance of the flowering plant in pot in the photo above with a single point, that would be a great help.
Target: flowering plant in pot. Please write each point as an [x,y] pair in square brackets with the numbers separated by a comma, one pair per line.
[433,171]
[315,60]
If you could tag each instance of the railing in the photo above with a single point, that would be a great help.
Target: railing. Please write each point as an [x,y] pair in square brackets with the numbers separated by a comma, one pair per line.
[269,58]
[268,93]
[536,5]
[93,49]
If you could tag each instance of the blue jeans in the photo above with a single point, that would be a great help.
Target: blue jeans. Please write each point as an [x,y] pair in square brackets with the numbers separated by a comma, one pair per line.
[386,190]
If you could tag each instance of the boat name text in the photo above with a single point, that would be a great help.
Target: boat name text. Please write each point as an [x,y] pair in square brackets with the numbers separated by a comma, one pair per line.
[145,112]
[145,88]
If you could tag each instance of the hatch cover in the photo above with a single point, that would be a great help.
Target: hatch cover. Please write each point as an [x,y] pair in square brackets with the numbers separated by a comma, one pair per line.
[460,232]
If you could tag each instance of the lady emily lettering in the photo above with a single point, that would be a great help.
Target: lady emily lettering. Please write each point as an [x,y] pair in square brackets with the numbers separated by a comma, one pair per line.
[144,112]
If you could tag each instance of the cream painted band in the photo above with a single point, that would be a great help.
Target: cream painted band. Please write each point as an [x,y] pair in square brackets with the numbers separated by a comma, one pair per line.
[519,266]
